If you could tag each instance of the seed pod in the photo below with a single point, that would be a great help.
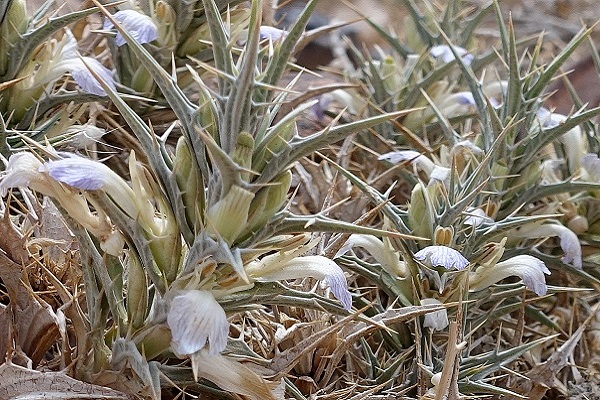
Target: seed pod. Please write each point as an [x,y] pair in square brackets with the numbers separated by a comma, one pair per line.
[242,154]
[268,201]
[137,291]
[187,176]
[443,236]
[421,215]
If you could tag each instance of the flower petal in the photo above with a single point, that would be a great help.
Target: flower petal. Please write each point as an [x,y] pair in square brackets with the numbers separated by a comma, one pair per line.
[381,250]
[21,170]
[591,163]
[77,172]
[86,80]
[140,26]
[444,52]
[569,242]
[231,375]
[436,320]
[530,269]
[318,267]
[197,319]
[442,256]
[271,33]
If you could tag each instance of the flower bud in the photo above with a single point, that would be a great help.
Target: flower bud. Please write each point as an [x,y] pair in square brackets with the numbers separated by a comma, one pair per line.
[443,236]
[137,292]
[187,176]
[167,29]
[14,25]
[229,216]
[268,201]
[389,74]
[420,212]
[242,153]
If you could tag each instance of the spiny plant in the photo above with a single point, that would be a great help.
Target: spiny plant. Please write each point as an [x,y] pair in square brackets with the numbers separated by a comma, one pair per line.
[36,54]
[200,231]
[495,177]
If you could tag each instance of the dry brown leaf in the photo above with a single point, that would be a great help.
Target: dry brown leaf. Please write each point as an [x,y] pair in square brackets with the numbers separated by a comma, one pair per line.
[233,376]
[542,377]
[34,323]
[12,242]
[26,384]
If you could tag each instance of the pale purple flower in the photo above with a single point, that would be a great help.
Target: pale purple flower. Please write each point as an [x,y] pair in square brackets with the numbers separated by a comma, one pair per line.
[549,119]
[77,172]
[573,141]
[278,267]
[530,269]
[434,172]
[591,163]
[465,99]
[140,26]
[442,256]
[444,53]
[85,174]
[80,71]
[271,33]
[67,59]
[26,170]
[569,242]
[196,320]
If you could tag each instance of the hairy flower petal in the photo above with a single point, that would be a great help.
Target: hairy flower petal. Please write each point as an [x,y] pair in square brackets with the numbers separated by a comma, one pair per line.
[22,169]
[140,26]
[436,320]
[196,319]
[78,172]
[80,71]
[591,163]
[381,250]
[569,242]
[85,174]
[318,267]
[444,52]
[271,33]
[442,256]
[79,67]
[530,269]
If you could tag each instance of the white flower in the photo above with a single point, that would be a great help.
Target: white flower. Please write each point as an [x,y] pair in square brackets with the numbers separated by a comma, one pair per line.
[591,164]
[433,171]
[67,59]
[381,250]
[271,33]
[85,174]
[436,320]
[444,52]
[530,269]
[573,141]
[140,26]
[442,256]
[569,242]
[475,217]
[26,170]
[196,320]
[281,266]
